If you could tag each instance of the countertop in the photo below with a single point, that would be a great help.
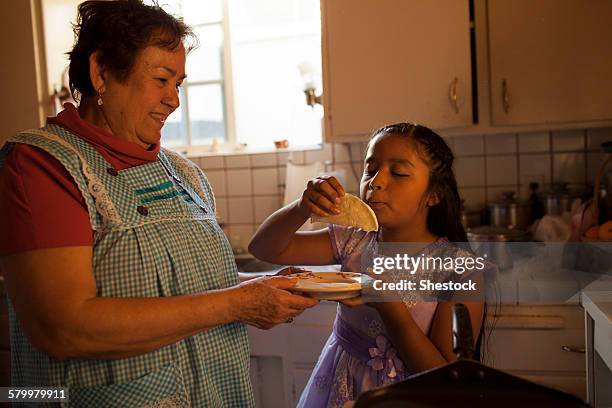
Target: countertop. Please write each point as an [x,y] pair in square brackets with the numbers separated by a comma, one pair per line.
[599,306]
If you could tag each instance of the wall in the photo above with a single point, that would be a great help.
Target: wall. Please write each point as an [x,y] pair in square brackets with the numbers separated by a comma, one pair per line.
[22,70]
[248,187]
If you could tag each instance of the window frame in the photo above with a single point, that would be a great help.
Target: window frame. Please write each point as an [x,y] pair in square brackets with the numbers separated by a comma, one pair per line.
[230,144]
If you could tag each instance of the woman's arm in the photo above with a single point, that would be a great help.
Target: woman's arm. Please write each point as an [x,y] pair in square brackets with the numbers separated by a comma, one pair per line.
[277,239]
[54,295]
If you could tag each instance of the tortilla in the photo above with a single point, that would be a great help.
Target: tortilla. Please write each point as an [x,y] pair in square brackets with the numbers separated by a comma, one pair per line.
[353,212]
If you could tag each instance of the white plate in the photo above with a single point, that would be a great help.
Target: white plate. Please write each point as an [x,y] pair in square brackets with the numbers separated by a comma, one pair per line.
[329,285]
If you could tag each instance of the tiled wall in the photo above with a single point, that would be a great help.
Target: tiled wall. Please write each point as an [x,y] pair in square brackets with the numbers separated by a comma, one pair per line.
[249,187]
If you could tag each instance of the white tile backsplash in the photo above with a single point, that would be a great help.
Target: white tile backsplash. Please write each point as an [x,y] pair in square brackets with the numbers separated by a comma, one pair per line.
[358,151]
[240,210]
[534,142]
[594,162]
[216,178]
[470,171]
[341,153]
[500,144]
[265,181]
[450,142]
[264,206]
[247,186]
[501,170]
[474,196]
[595,137]
[569,167]
[239,183]
[240,236]
[322,155]
[282,157]
[211,162]
[352,183]
[495,193]
[533,168]
[296,157]
[221,204]
[568,140]
[263,160]
[468,145]
[237,161]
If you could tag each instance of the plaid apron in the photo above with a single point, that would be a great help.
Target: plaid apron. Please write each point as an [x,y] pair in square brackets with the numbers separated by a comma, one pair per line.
[155,235]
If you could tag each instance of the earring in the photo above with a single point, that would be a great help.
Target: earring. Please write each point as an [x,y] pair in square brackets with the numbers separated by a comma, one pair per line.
[100,101]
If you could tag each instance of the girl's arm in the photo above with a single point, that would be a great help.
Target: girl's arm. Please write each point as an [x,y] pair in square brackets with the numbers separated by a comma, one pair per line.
[417,350]
[277,239]
[55,298]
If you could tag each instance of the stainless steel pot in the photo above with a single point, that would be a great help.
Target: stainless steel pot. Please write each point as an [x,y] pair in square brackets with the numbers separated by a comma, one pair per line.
[492,242]
[509,212]
[559,197]
[556,203]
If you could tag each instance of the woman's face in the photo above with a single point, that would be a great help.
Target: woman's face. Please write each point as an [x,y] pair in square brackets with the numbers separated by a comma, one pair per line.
[136,109]
[394,182]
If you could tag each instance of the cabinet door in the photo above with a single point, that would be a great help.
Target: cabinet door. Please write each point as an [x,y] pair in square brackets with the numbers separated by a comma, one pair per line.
[555,59]
[388,61]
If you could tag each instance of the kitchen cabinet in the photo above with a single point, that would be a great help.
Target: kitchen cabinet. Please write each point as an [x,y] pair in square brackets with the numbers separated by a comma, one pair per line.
[598,321]
[504,66]
[388,61]
[550,61]
[543,344]
[22,72]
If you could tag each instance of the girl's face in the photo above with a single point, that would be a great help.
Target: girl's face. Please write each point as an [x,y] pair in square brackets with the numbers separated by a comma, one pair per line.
[394,182]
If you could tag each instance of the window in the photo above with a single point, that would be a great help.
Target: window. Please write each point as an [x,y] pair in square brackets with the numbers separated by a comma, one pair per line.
[243,83]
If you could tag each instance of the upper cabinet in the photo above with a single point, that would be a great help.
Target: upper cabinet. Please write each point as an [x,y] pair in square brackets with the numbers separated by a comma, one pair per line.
[387,61]
[550,61]
[537,64]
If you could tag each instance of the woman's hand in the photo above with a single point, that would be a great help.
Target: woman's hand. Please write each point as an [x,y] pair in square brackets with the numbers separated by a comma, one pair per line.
[321,197]
[265,302]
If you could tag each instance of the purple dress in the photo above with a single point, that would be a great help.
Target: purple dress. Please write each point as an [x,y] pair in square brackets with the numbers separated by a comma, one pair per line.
[358,355]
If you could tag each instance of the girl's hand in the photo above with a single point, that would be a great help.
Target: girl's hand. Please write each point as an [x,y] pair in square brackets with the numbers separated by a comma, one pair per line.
[264,302]
[321,196]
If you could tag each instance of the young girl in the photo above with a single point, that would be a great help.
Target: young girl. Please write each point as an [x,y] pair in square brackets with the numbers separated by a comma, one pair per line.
[409,183]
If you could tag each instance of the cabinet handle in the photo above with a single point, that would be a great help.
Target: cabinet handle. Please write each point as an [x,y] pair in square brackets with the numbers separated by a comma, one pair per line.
[452,94]
[505,96]
[573,349]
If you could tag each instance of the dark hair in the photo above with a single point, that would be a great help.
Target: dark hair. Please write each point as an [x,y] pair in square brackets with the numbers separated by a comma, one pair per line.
[443,218]
[118,30]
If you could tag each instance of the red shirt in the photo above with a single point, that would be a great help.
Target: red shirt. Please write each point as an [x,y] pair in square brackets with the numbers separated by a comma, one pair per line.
[41,205]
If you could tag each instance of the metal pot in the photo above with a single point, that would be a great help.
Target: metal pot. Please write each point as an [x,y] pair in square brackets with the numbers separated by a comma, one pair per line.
[556,203]
[558,198]
[492,242]
[509,212]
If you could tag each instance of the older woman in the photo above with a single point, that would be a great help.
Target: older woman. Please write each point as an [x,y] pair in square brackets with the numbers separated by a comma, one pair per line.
[122,285]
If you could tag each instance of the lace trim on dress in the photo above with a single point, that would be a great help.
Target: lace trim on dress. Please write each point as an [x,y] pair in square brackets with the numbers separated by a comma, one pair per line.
[104,205]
